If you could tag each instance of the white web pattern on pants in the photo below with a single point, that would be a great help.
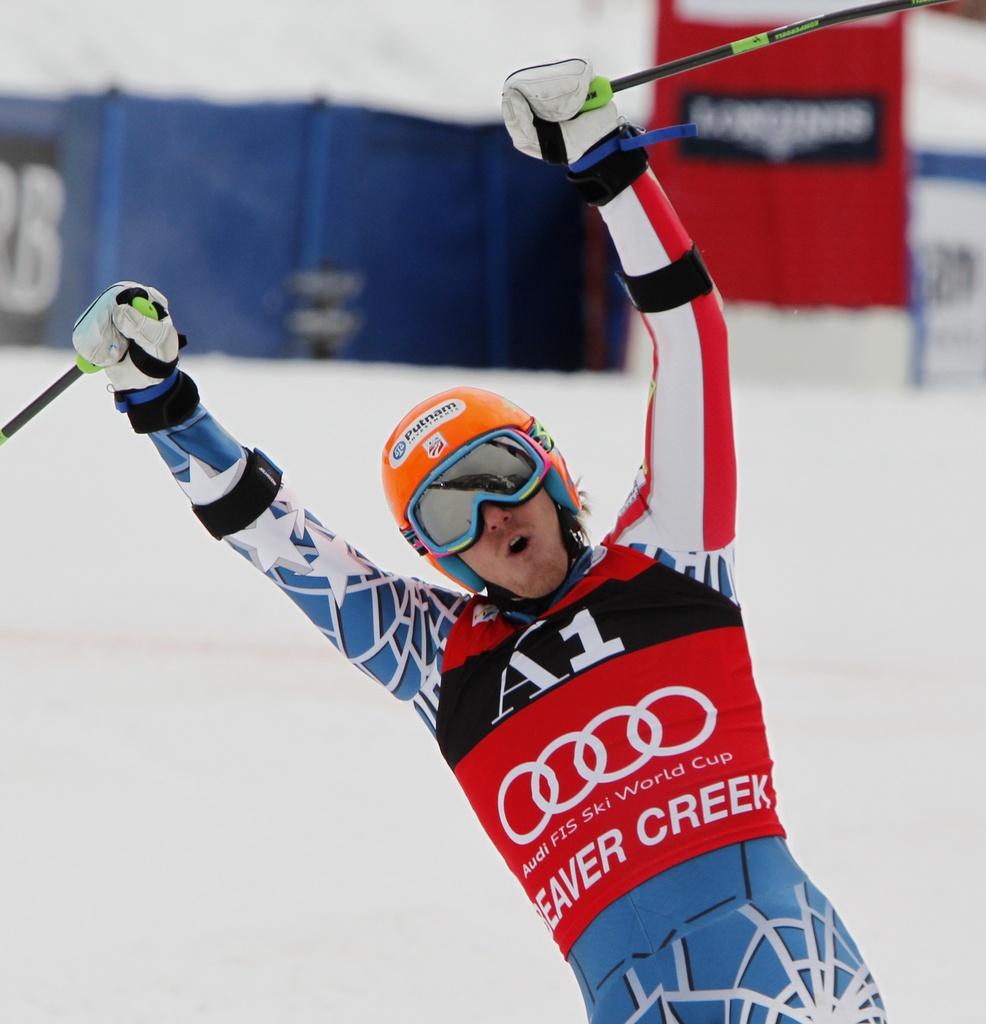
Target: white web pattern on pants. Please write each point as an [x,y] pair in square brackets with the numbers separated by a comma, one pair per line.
[819,1003]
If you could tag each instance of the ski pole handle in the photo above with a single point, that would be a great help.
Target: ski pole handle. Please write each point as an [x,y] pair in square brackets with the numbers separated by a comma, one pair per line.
[601,90]
[600,93]
[82,368]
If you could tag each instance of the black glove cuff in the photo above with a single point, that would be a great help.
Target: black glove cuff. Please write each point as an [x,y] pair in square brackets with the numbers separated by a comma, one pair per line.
[250,498]
[608,178]
[167,410]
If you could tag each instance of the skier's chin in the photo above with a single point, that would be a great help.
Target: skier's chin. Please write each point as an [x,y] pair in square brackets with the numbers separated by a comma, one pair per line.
[532,576]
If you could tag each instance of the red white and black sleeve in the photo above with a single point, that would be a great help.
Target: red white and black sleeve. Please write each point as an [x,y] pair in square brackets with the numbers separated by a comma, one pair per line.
[682,509]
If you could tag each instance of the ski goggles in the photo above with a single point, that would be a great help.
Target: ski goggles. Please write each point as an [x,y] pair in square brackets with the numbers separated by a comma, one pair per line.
[504,467]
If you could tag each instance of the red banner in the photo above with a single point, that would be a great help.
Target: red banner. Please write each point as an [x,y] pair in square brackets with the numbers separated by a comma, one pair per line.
[795,187]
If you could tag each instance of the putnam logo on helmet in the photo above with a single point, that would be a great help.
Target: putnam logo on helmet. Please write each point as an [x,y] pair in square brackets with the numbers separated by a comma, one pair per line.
[422,426]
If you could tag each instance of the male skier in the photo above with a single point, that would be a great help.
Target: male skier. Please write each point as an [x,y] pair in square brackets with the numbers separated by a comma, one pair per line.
[596,703]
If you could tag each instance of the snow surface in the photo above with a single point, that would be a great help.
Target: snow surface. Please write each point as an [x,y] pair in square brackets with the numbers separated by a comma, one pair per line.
[440,58]
[443,59]
[206,815]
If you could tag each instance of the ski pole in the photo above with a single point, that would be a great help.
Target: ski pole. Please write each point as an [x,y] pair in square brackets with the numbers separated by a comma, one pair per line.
[602,89]
[69,377]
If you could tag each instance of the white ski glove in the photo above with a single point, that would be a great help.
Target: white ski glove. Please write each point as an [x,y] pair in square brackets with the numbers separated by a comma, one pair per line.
[541,111]
[135,350]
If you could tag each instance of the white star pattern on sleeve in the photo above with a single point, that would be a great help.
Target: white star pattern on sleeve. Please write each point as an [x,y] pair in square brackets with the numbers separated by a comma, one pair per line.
[205,485]
[268,543]
[393,628]
[288,501]
[336,561]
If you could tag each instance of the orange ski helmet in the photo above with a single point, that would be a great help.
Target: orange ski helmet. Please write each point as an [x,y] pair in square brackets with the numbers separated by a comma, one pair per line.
[433,432]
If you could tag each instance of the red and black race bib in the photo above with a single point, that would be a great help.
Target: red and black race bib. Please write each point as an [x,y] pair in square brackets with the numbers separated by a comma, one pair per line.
[615,737]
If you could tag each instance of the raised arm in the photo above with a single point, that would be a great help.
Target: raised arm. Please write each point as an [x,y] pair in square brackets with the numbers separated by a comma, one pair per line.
[390,627]
[685,496]
[683,505]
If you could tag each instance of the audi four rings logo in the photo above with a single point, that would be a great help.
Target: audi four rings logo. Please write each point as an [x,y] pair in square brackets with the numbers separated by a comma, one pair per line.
[543,777]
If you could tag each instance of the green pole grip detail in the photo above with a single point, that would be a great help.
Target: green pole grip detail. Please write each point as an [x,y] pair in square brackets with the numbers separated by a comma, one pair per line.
[600,93]
[145,307]
[85,366]
[3,437]
[750,43]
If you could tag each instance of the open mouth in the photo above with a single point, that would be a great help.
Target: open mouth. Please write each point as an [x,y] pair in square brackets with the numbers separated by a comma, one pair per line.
[517,545]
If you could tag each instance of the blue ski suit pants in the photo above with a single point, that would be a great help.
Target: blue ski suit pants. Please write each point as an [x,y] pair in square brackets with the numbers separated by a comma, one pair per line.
[739,935]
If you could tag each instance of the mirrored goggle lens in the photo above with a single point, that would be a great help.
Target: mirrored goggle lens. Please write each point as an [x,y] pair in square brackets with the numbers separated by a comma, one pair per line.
[497,470]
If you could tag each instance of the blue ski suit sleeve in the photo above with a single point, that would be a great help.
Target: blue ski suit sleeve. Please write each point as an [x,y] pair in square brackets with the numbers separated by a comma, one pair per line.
[391,627]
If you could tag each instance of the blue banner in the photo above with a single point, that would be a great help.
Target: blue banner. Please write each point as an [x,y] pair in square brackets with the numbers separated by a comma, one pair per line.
[415,241]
